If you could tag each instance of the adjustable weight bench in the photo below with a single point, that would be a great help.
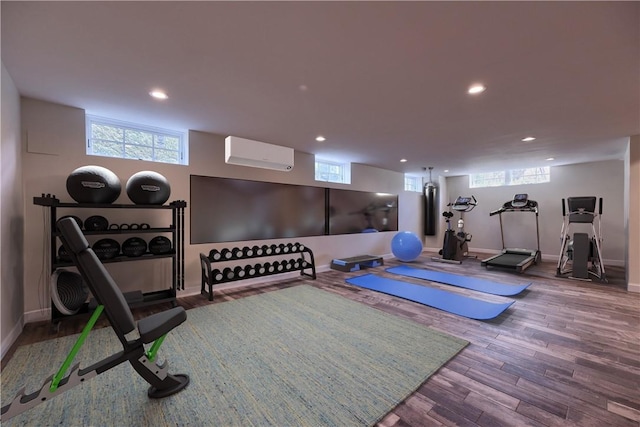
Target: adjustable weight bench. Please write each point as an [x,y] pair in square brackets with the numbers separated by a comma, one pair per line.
[110,300]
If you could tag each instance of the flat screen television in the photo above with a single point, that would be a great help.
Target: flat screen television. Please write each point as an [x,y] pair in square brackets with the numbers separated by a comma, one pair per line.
[230,210]
[353,211]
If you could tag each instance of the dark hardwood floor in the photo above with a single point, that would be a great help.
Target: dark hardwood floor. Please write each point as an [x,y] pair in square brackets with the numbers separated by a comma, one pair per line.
[567,353]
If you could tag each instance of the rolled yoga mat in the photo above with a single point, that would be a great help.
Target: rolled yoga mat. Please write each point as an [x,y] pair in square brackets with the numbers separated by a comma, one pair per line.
[472,283]
[436,298]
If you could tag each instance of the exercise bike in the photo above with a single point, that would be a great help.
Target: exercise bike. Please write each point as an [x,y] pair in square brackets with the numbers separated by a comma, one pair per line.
[581,254]
[455,246]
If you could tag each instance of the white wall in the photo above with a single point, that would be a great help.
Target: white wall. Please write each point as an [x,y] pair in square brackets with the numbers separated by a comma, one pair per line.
[632,223]
[11,217]
[55,146]
[601,179]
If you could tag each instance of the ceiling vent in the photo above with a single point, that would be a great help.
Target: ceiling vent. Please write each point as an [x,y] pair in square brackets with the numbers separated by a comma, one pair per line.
[245,152]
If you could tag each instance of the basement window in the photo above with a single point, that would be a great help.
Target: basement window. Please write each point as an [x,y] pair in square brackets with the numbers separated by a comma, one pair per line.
[413,183]
[115,138]
[329,171]
[511,177]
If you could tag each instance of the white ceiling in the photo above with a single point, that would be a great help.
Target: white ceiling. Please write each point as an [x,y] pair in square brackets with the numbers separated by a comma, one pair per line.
[384,80]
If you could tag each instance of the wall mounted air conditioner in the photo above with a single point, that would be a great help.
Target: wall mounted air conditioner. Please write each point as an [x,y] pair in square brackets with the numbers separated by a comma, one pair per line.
[245,152]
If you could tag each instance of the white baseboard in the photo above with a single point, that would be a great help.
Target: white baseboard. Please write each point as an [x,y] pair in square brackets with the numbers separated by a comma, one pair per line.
[12,337]
[37,315]
[633,287]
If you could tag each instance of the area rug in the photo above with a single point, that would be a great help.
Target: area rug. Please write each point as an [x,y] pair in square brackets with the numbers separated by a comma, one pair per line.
[294,357]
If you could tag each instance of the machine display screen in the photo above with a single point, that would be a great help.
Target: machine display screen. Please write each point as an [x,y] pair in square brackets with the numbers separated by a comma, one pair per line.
[520,200]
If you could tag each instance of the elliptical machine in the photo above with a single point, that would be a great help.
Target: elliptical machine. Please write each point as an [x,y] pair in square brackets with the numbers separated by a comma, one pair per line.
[581,254]
[455,246]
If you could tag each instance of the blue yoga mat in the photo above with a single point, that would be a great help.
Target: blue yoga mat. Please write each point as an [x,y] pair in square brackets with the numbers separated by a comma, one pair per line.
[443,300]
[472,283]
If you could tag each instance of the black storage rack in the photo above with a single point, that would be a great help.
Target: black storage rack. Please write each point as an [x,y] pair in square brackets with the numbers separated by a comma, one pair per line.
[136,298]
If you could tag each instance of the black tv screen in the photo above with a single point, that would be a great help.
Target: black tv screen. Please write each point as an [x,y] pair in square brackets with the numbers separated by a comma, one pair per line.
[362,212]
[230,210]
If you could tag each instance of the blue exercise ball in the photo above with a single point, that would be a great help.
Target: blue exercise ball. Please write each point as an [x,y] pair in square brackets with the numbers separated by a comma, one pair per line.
[406,246]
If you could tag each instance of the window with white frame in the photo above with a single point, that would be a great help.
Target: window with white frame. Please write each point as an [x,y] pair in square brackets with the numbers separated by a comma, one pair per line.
[510,177]
[114,138]
[330,171]
[413,183]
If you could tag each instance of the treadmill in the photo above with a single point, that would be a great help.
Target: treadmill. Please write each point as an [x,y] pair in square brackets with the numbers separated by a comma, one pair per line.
[515,258]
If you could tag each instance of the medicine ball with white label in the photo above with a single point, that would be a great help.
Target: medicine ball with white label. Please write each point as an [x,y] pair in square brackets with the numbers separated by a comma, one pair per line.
[148,188]
[96,223]
[93,184]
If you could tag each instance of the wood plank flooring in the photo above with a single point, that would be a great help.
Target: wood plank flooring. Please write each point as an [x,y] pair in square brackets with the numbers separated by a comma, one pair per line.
[567,353]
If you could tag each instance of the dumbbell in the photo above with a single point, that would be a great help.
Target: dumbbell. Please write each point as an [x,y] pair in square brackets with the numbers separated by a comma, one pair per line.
[239,272]
[249,271]
[216,275]
[247,252]
[228,274]
[215,255]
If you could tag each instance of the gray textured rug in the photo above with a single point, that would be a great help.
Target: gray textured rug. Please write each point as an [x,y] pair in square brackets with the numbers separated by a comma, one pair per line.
[295,357]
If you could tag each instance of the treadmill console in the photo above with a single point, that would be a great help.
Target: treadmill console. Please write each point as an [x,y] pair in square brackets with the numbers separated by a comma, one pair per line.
[519,200]
[520,203]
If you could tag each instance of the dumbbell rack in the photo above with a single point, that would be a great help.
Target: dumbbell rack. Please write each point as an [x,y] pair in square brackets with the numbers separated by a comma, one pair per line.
[215,276]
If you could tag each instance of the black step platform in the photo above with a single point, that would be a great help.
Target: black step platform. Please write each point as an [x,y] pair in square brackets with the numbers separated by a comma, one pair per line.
[356,263]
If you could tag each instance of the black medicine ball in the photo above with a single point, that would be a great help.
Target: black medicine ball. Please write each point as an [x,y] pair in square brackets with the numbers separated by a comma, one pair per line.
[134,247]
[96,223]
[160,245]
[63,255]
[93,184]
[148,188]
[106,248]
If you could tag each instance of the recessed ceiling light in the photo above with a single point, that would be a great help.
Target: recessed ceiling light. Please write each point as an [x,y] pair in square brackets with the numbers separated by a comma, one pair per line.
[528,139]
[158,94]
[476,88]
[320,138]
[446,170]
[550,158]
[403,160]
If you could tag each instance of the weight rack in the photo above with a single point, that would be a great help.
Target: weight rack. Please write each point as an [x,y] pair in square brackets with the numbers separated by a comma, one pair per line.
[214,276]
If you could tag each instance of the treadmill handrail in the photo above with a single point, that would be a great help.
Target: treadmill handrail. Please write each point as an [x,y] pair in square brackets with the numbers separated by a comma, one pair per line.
[533,209]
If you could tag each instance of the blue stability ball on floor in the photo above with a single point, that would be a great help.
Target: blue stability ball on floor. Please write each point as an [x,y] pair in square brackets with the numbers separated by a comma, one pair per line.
[406,246]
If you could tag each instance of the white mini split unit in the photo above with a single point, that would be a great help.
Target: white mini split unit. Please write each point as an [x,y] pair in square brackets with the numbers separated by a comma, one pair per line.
[245,152]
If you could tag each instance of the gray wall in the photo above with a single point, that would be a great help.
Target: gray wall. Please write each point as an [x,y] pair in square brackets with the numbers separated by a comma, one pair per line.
[11,217]
[601,179]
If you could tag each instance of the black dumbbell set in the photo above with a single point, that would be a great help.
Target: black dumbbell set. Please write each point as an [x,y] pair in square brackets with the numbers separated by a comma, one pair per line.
[303,262]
